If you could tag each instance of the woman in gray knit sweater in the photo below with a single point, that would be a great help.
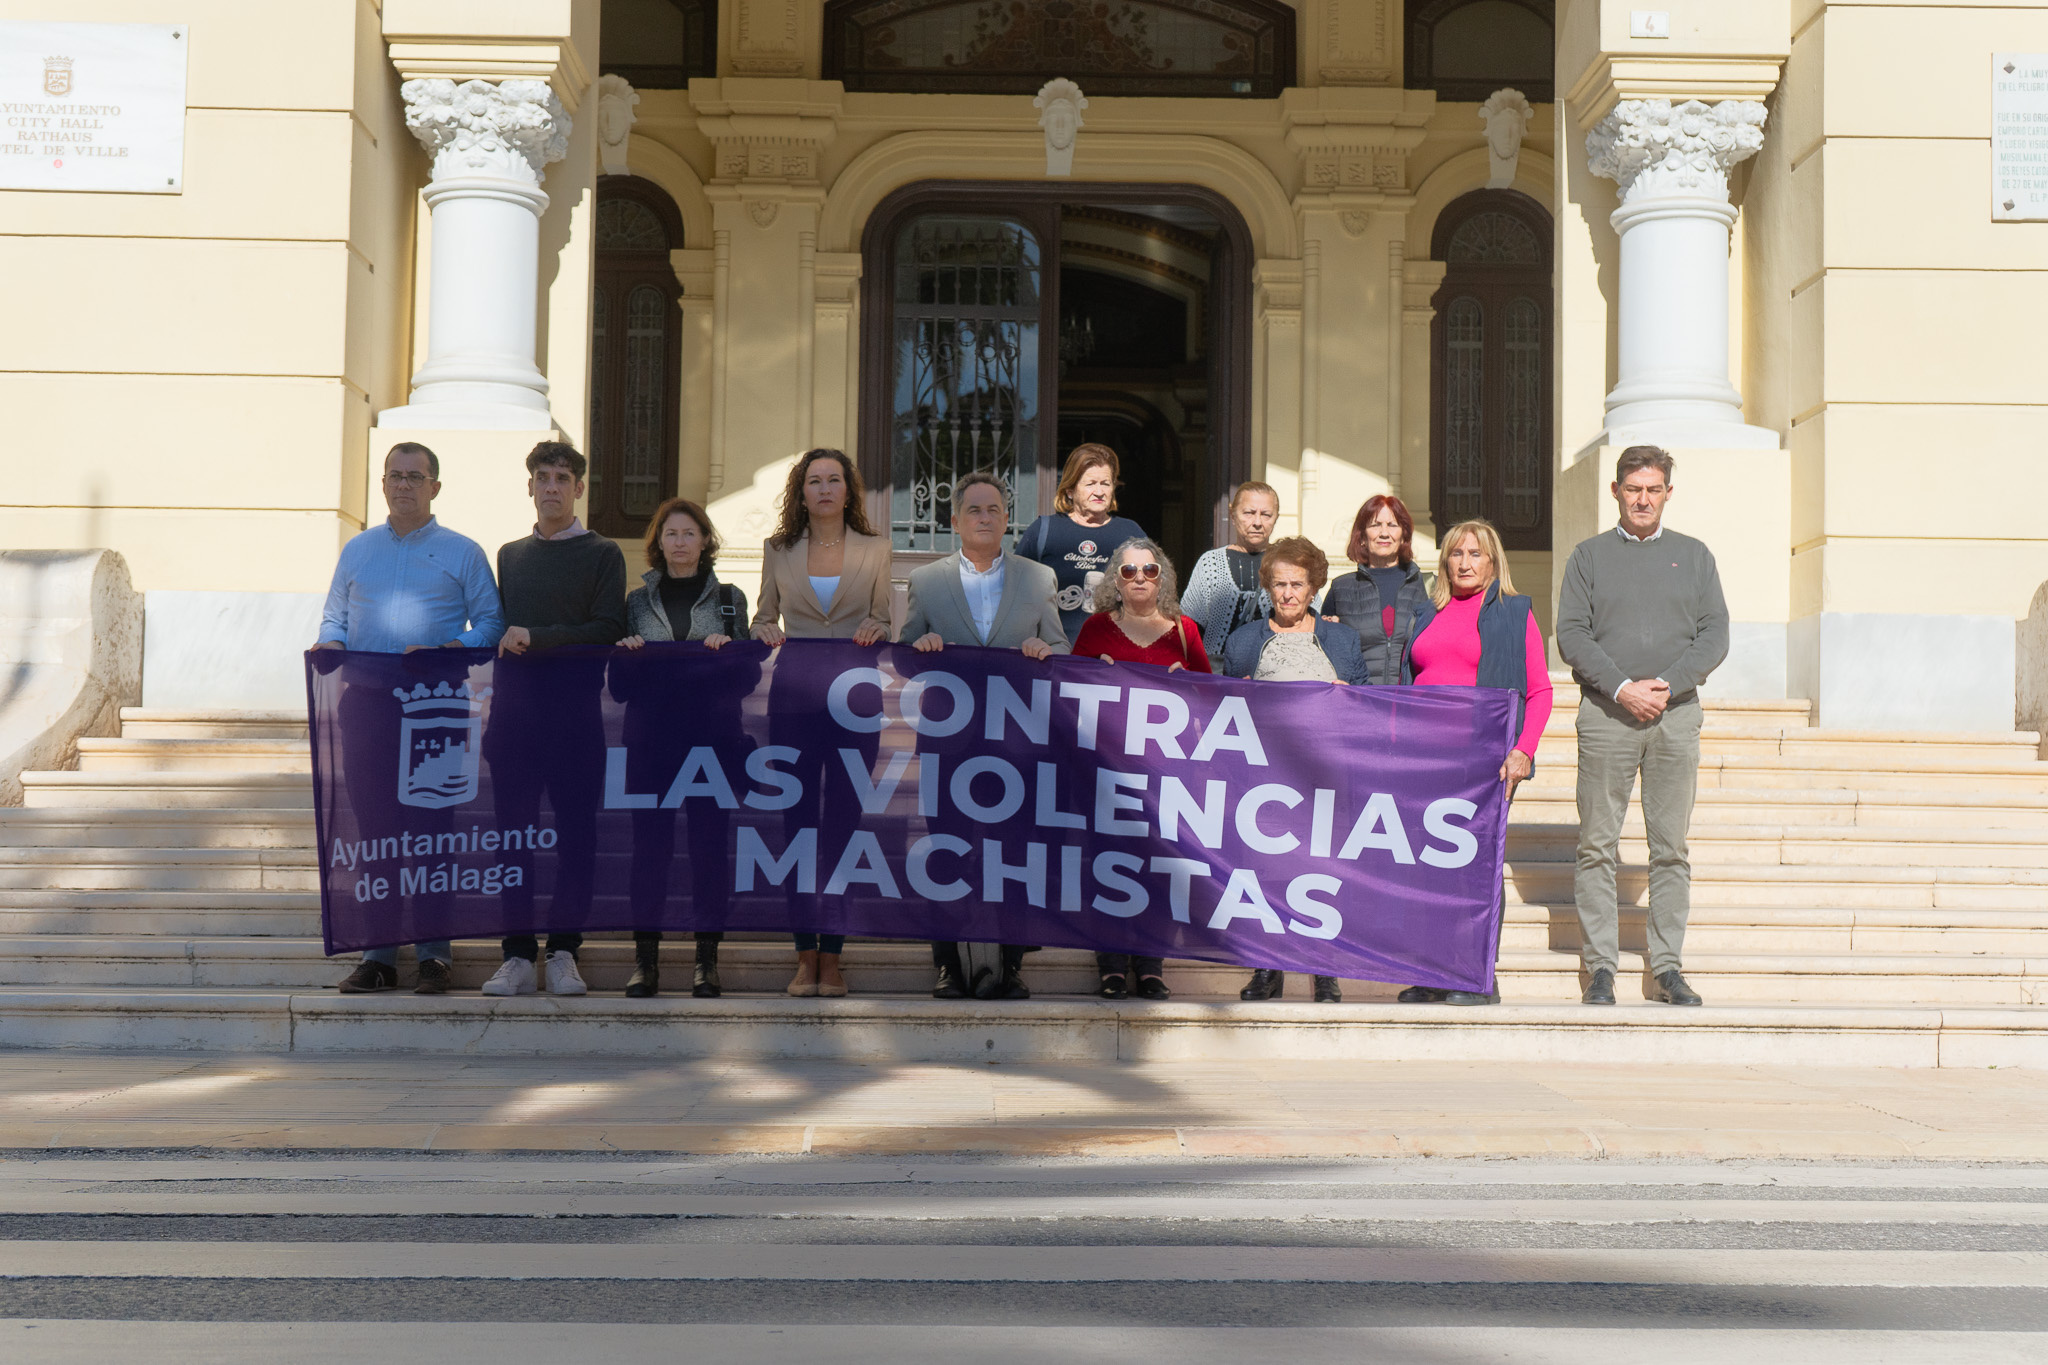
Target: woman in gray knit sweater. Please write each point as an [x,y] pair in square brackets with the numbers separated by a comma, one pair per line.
[1223,591]
[680,599]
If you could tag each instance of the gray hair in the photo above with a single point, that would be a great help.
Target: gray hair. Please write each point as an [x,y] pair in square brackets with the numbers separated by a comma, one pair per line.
[973,478]
[1107,598]
[1644,457]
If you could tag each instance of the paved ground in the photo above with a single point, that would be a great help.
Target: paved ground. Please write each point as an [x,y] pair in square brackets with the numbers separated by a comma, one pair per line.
[55,1100]
[240,1258]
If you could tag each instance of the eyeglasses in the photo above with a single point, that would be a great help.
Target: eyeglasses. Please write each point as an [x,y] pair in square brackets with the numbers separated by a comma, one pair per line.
[411,478]
[1132,571]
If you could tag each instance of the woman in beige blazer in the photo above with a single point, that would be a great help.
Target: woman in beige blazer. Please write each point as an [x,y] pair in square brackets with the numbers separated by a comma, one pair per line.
[824,575]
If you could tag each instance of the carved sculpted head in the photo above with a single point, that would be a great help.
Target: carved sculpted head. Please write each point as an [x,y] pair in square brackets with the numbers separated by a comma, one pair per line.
[1061,102]
[1506,115]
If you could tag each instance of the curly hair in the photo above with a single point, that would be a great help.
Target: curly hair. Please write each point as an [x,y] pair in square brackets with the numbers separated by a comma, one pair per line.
[796,518]
[1107,598]
[1303,554]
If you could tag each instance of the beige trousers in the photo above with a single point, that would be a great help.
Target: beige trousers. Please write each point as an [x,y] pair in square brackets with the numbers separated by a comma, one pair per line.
[1613,748]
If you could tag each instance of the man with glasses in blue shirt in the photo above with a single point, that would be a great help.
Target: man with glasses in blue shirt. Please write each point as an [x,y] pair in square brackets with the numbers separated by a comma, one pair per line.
[408,584]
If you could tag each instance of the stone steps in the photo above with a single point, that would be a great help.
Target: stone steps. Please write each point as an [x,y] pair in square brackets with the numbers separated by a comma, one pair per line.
[163,895]
[167,790]
[904,969]
[881,1028]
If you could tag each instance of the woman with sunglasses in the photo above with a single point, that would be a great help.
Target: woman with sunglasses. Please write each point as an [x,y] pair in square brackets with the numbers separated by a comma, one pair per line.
[1137,620]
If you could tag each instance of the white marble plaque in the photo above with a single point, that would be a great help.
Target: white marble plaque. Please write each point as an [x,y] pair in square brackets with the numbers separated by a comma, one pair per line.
[2019,136]
[93,107]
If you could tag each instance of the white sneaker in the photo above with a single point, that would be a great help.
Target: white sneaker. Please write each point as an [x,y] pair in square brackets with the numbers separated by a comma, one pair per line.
[563,978]
[514,977]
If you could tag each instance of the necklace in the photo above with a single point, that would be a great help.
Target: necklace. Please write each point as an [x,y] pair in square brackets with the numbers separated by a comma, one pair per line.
[827,544]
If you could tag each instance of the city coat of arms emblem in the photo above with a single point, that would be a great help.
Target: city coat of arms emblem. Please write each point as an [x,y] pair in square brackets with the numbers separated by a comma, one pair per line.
[56,75]
[440,744]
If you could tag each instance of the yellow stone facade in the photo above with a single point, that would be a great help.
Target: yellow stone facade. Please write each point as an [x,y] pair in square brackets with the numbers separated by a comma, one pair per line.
[200,374]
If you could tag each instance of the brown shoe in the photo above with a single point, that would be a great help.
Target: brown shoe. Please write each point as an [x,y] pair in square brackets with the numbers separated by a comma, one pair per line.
[433,978]
[369,978]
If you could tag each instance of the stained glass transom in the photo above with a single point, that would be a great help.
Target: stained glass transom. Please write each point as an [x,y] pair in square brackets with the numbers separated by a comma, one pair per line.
[1495,239]
[1112,47]
[629,225]
[1464,409]
[965,379]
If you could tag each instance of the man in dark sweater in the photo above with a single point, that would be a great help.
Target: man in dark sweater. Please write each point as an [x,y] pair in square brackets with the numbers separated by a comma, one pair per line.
[561,586]
[1642,622]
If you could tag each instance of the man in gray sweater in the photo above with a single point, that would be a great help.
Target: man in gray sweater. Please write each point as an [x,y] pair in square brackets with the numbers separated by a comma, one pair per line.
[1642,622]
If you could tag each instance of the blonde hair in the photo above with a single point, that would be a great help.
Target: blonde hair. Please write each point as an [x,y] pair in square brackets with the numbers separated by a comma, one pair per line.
[1080,460]
[1107,598]
[1489,545]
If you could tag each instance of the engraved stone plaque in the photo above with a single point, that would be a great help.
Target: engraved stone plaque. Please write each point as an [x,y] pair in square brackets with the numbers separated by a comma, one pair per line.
[93,107]
[2019,136]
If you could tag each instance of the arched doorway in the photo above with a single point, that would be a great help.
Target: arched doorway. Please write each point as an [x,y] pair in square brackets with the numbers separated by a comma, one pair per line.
[1002,324]
[636,355]
[1489,385]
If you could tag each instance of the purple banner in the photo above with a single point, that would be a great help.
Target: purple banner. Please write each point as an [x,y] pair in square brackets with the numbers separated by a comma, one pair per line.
[970,794]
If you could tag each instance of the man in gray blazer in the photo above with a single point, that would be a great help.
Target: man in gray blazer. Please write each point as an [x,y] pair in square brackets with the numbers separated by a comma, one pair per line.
[983,595]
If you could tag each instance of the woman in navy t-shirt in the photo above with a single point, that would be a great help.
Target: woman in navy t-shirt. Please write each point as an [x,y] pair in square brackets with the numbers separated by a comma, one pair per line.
[1076,540]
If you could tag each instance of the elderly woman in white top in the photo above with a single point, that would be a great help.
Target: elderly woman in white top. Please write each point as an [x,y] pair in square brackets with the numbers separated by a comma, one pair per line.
[1293,644]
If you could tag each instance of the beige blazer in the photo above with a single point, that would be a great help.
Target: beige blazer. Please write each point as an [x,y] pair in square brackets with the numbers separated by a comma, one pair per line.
[786,589]
[1026,610]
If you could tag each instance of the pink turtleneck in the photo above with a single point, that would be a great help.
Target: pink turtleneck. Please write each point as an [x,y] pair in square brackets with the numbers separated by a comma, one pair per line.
[1446,654]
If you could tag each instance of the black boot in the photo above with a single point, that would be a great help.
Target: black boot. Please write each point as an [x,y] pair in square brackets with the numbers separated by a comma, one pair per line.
[646,978]
[1265,984]
[704,980]
[1327,992]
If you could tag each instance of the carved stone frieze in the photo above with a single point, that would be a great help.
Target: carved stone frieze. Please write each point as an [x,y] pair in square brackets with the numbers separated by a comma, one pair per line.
[1653,147]
[767,40]
[511,130]
[1356,49]
[1353,168]
[774,159]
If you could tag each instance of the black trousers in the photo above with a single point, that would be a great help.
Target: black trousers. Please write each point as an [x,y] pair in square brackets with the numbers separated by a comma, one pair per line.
[1128,964]
[557,752]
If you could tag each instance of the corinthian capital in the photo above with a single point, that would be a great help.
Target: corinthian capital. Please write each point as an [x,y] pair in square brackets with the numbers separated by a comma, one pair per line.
[1653,147]
[510,130]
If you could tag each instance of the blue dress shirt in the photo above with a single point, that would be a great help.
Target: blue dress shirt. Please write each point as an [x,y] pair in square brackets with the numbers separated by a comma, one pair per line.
[391,592]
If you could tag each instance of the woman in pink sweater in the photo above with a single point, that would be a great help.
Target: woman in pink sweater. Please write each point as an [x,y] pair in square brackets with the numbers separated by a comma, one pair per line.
[1483,635]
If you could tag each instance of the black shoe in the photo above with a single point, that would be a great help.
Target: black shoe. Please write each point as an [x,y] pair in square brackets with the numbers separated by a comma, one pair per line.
[1113,987]
[1420,995]
[1471,998]
[1265,984]
[646,979]
[1327,992]
[1005,985]
[368,979]
[1153,988]
[1600,989]
[433,978]
[704,983]
[1672,990]
[947,986]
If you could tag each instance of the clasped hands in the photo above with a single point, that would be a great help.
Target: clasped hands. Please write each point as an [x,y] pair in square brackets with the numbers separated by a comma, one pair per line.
[1645,699]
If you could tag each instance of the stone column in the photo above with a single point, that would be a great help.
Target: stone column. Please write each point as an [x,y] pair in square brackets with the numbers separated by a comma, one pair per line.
[490,145]
[1672,162]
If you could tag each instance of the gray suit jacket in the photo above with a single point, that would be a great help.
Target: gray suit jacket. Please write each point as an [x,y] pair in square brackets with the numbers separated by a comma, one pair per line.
[938,605]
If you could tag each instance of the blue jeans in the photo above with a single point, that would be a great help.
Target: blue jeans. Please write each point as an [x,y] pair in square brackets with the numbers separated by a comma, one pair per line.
[435,948]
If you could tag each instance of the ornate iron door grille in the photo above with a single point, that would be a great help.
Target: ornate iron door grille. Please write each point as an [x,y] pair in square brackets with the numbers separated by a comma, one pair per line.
[965,365]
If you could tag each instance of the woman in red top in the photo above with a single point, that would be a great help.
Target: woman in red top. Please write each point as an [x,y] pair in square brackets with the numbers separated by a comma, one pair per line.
[1484,634]
[1137,620]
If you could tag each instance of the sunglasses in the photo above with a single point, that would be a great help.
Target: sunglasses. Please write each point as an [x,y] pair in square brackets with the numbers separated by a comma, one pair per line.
[1132,571]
